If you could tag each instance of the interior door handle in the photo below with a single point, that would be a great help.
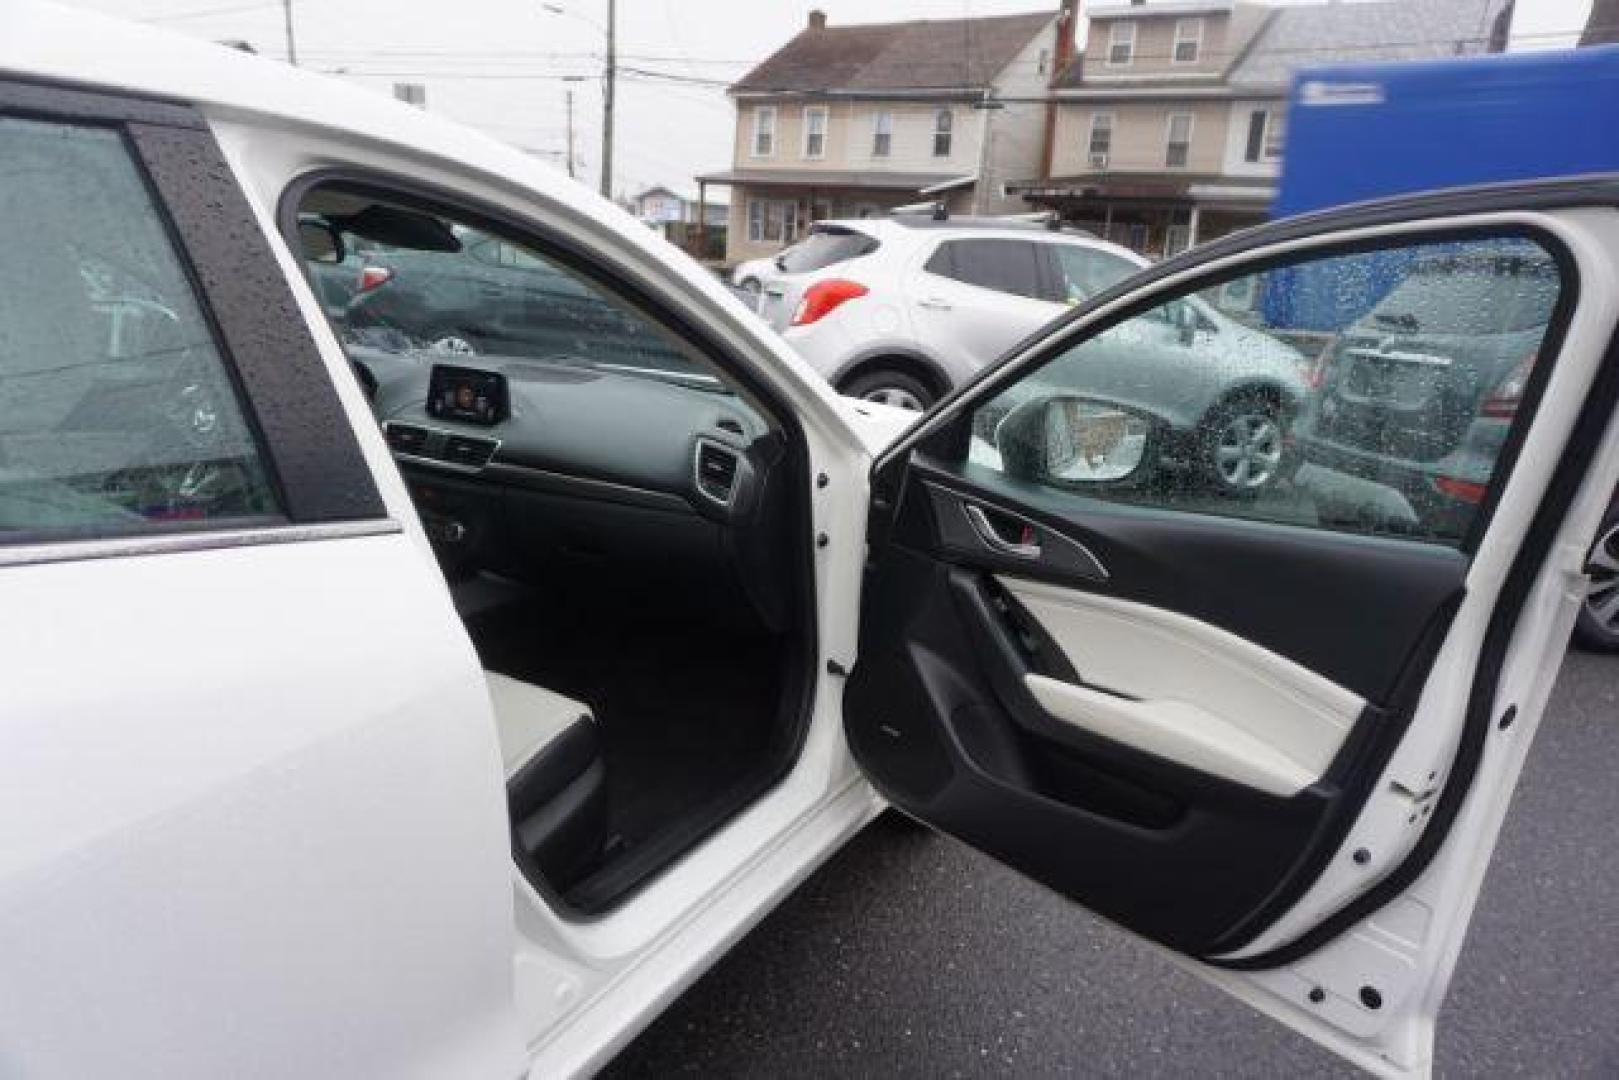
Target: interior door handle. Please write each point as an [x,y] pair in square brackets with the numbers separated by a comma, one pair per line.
[1027,548]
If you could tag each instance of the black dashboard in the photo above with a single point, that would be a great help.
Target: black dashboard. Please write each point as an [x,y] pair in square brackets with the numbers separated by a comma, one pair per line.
[572,477]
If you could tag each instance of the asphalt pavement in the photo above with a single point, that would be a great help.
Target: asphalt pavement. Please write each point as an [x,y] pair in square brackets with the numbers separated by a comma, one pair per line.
[910,955]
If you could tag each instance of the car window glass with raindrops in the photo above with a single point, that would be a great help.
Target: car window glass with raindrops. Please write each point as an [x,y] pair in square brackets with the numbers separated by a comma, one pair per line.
[117,413]
[1368,392]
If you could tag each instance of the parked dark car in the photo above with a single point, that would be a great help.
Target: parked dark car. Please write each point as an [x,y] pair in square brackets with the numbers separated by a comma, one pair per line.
[494,298]
[1419,393]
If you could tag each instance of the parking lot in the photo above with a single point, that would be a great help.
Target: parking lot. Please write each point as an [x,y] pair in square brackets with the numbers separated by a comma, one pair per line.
[909,955]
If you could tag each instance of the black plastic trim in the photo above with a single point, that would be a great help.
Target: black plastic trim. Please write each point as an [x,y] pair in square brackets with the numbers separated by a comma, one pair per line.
[323,475]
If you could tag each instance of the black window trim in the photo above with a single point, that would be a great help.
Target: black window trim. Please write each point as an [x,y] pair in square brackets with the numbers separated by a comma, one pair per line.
[304,439]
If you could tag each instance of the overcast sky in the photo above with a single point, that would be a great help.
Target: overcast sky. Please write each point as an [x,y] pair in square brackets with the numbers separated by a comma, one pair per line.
[502,65]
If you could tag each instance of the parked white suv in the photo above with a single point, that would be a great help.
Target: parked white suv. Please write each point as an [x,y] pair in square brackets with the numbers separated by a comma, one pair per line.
[901,310]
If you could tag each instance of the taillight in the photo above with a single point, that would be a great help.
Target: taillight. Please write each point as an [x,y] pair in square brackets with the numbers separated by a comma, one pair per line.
[825,297]
[373,276]
[1462,490]
[1502,402]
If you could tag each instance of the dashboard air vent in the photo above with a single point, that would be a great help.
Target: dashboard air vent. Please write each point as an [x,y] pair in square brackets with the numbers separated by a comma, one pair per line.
[464,450]
[717,467]
[407,439]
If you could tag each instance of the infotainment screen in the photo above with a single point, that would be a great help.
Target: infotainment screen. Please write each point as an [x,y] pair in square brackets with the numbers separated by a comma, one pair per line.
[467,395]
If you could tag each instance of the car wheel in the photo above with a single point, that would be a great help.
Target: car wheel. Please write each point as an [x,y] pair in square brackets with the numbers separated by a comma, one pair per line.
[452,341]
[887,386]
[1598,625]
[750,286]
[1244,445]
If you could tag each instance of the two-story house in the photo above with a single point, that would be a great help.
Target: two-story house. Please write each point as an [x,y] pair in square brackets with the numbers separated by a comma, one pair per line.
[1169,126]
[852,121]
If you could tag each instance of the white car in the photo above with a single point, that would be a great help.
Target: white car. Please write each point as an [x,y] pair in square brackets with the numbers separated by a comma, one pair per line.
[901,310]
[399,714]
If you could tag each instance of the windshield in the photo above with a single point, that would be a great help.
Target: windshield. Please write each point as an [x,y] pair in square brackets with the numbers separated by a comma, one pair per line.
[1448,296]
[412,282]
[826,246]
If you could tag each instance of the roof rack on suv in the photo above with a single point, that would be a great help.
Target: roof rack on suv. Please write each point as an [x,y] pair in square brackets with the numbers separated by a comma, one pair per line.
[938,216]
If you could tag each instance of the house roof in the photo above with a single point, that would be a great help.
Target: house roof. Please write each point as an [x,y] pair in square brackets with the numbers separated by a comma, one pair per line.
[656,189]
[1305,36]
[903,56]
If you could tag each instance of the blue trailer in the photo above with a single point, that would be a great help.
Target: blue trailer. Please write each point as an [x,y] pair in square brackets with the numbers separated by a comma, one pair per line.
[1365,131]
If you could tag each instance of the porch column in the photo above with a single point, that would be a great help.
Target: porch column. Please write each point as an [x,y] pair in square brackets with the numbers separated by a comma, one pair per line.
[702,220]
[1191,225]
[1107,221]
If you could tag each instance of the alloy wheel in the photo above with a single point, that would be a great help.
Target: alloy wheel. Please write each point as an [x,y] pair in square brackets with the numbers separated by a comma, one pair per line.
[1248,452]
[896,396]
[1602,602]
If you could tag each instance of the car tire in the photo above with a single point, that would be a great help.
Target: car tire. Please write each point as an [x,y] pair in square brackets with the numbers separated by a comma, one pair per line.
[750,286]
[890,386]
[1598,626]
[1243,445]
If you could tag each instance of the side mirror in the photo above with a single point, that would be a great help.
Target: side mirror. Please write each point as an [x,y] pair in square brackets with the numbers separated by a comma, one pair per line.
[1074,440]
[322,242]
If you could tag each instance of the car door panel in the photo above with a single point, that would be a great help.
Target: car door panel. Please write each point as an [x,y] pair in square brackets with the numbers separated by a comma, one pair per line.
[1239,730]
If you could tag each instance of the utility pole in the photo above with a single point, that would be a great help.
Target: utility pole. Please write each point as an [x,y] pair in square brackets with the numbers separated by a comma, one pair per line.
[570,134]
[292,42]
[607,98]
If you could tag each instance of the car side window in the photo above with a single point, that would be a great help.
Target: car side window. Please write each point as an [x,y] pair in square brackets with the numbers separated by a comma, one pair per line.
[1371,392]
[1007,266]
[1082,272]
[117,413]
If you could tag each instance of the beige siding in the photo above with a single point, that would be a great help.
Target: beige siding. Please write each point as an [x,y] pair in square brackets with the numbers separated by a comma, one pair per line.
[1155,44]
[1140,137]
[849,138]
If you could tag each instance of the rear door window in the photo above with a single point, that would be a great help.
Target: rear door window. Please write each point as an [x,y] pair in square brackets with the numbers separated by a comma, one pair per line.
[117,412]
[1082,272]
[1007,266]
[826,247]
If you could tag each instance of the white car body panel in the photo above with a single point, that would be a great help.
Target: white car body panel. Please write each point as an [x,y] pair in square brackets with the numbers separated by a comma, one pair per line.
[378,925]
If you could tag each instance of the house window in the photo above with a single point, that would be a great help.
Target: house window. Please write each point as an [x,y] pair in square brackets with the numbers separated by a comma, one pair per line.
[1101,143]
[943,121]
[1180,140]
[1121,44]
[814,133]
[772,221]
[1265,131]
[882,134]
[764,131]
[1188,40]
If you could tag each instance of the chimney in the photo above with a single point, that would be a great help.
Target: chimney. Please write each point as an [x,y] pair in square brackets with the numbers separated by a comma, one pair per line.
[817,19]
[1067,28]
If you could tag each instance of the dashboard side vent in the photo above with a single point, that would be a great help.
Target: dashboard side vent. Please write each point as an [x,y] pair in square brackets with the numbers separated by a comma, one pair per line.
[407,439]
[717,468]
[465,450]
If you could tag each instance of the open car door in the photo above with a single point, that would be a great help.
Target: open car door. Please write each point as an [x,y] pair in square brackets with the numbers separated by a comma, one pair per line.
[1242,645]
